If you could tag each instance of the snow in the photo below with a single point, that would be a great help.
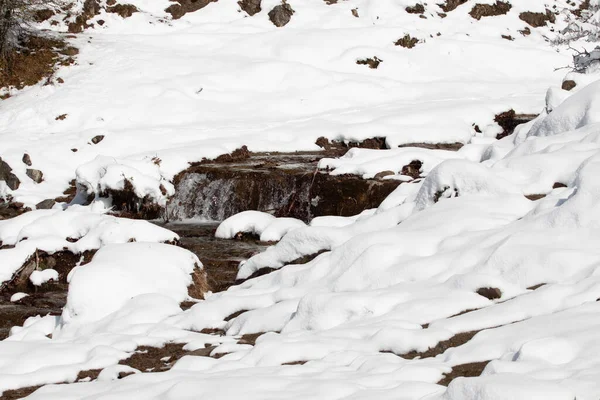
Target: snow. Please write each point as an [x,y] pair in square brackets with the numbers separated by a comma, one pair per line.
[88,228]
[120,272]
[225,71]
[400,278]
[18,296]
[264,225]
[38,278]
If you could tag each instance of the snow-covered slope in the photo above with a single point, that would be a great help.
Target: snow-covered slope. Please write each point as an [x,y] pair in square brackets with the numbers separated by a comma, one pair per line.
[218,79]
[486,265]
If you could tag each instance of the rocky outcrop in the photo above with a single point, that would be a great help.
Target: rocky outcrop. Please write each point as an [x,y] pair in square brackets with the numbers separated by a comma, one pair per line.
[251,7]
[186,6]
[7,176]
[287,185]
[281,15]
[490,10]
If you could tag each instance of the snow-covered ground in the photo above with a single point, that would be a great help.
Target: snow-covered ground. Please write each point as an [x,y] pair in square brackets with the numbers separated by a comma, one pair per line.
[218,79]
[387,285]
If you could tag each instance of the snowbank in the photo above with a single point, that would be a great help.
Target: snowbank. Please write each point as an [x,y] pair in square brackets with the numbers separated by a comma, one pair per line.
[266,226]
[120,272]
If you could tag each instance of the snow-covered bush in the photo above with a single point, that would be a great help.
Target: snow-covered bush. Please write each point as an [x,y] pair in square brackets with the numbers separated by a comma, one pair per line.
[583,23]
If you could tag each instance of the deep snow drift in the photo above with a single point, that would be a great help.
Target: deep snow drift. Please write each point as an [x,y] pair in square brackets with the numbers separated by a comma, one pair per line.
[487,262]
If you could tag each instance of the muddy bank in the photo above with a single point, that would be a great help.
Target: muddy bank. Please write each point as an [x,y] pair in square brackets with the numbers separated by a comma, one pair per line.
[286,185]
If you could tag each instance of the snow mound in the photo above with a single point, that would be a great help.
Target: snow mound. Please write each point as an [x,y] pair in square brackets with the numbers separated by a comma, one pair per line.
[105,174]
[266,226]
[120,272]
[76,229]
[38,278]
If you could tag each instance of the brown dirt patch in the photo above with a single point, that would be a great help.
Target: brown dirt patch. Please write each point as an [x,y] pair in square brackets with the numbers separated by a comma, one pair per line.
[159,359]
[373,63]
[464,370]
[416,9]
[537,19]
[435,146]
[35,61]
[489,293]
[19,393]
[490,10]
[509,120]
[451,5]
[535,197]
[457,340]
[407,41]
[123,10]
[186,6]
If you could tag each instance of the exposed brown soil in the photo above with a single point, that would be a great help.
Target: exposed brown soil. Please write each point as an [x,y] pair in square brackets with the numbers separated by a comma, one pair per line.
[489,293]
[451,5]
[373,63]
[36,60]
[537,19]
[158,359]
[123,10]
[19,393]
[186,6]
[457,340]
[337,148]
[435,146]
[534,197]
[464,370]
[91,8]
[407,41]
[535,287]
[568,85]
[413,169]
[490,10]
[509,120]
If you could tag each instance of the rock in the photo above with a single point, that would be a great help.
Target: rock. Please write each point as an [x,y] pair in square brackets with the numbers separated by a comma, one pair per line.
[509,120]
[490,293]
[251,7]
[7,176]
[123,10]
[558,185]
[185,6]
[451,5]
[97,139]
[355,12]
[373,63]
[91,8]
[43,15]
[568,85]
[490,10]
[416,9]
[35,174]
[45,205]
[537,19]
[281,15]
[383,174]
[413,169]
[27,159]
[407,41]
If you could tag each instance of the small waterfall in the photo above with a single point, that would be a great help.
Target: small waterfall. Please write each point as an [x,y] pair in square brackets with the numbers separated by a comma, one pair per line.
[281,184]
